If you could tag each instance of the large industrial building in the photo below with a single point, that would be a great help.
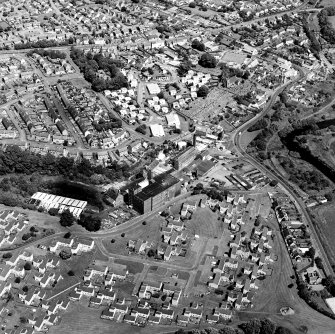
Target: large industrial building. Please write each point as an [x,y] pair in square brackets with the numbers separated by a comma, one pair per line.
[49,201]
[150,195]
[184,158]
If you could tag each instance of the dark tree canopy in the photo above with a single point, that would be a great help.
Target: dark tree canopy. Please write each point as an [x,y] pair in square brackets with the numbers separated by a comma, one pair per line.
[66,218]
[90,223]
[207,60]
[196,44]
[203,91]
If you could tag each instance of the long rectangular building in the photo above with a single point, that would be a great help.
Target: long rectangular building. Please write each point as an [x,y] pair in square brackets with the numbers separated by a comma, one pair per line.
[184,158]
[49,201]
[160,190]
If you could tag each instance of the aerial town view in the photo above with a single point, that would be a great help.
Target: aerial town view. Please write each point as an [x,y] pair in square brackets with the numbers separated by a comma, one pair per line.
[167,166]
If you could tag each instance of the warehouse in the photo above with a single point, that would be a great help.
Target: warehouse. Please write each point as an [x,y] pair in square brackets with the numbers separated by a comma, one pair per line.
[49,201]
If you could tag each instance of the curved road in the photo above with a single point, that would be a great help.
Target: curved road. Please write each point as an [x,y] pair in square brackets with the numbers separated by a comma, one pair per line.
[276,176]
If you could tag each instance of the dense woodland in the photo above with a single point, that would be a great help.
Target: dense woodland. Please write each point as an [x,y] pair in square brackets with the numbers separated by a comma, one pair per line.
[15,160]
[42,44]
[326,28]
[254,326]
[30,169]
[53,54]
[90,64]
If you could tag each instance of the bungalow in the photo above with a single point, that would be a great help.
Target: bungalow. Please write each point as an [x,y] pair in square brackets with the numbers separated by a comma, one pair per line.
[193,313]
[165,314]
[212,319]
[140,312]
[154,319]
[130,319]
[107,314]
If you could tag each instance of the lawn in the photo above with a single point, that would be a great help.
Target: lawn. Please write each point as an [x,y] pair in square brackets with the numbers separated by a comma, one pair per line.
[133,267]
[204,222]
[327,228]
[150,232]
[78,263]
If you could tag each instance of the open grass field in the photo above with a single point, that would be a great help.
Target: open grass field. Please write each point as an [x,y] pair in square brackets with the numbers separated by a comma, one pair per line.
[204,222]
[150,232]
[327,229]
[133,267]
[327,3]
[248,137]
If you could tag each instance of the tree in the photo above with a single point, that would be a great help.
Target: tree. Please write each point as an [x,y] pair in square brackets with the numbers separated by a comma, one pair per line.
[142,129]
[311,253]
[53,212]
[17,280]
[203,91]
[26,236]
[71,273]
[318,263]
[23,320]
[252,327]
[7,255]
[207,60]
[25,288]
[268,327]
[67,235]
[66,218]
[151,253]
[283,330]
[27,266]
[65,254]
[329,196]
[90,223]
[192,4]
[196,44]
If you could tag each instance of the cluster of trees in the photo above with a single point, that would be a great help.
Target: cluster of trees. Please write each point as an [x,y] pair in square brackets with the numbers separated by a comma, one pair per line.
[42,44]
[207,60]
[315,46]
[102,125]
[254,326]
[261,124]
[329,283]
[184,67]
[228,72]
[53,54]
[90,64]
[90,223]
[203,91]
[307,180]
[15,160]
[306,295]
[66,218]
[210,192]
[142,129]
[327,30]
[196,44]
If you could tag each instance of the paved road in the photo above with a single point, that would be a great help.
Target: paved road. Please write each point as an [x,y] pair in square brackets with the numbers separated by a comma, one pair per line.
[276,176]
